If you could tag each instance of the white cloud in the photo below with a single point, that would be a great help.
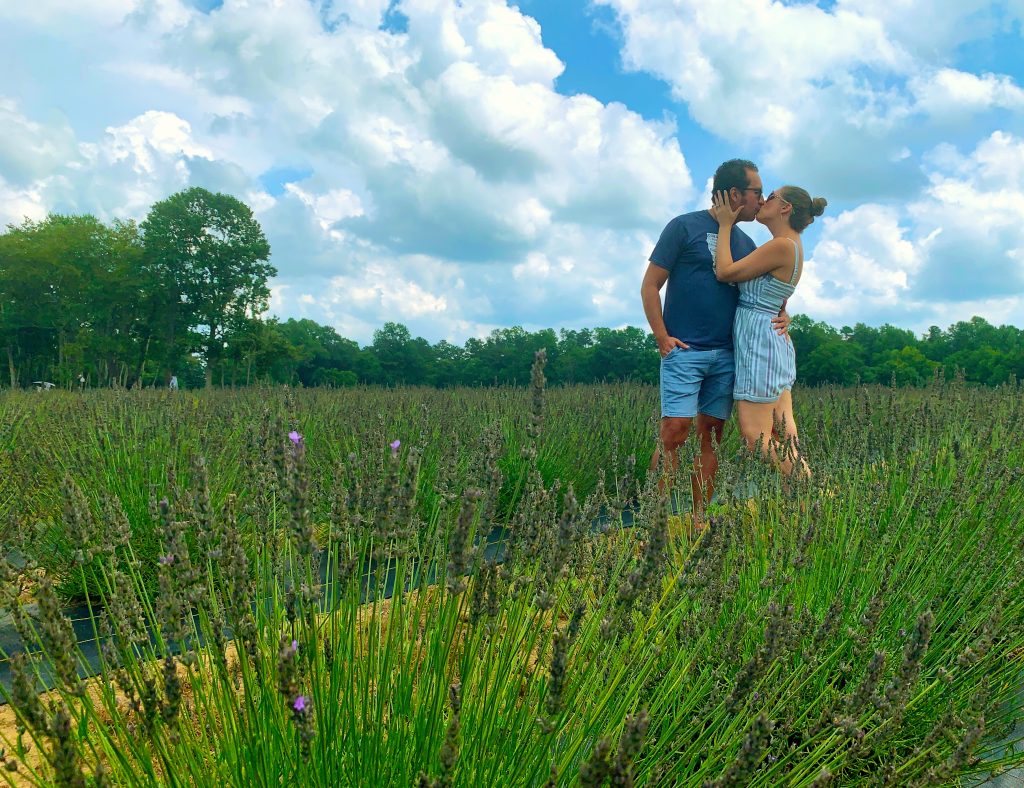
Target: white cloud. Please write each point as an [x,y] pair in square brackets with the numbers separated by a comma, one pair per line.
[29,149]
[863,258]
[956,251]
[499,39]
[365,13]
[16,205]
[134,165]
[948,92]
[330,207]
[832,97]
[159,76]
[45,168]
[931,29]
[974,208]
[45,12]
[440,179]
[451,134]
[149,137]
[382,290]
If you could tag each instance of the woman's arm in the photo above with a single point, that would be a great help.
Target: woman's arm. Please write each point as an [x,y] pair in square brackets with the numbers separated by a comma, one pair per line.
[763,260]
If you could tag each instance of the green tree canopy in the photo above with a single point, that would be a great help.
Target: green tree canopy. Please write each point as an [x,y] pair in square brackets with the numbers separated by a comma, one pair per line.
[209,256]
[82,300]
[70,299]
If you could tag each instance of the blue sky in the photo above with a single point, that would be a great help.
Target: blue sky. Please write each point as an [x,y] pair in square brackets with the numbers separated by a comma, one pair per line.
[462,166]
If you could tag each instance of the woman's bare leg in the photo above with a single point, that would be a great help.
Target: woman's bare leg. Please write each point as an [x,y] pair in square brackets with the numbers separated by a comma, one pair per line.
[757,421]
[784,413]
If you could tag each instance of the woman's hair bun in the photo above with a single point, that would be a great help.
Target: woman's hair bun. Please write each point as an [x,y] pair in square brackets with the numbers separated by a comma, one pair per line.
[818,206]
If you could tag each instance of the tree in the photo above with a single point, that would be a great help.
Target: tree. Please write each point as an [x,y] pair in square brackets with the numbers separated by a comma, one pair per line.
[907,365]
[336,378]
[506,356]
[209,256]
[575,349]
[624,354]
[835,360]
[319,347]
[808,335]
[70,294]
[403,360]
[450,367]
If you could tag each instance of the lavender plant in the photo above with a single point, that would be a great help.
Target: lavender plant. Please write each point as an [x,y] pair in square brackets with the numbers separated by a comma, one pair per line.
[292,586]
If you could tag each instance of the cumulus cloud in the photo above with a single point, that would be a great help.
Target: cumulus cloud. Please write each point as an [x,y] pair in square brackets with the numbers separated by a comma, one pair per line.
[45,12]
[955,251]
[431,173]
[17,205]
[30,149]
[930,29]
[364,13]
[973,210]
[864,261]
[836,97]
[434,160]
[947,92]
[119,175]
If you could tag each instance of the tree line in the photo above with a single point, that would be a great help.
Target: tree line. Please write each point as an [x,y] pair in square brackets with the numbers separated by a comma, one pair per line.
[185,293]
[127,302]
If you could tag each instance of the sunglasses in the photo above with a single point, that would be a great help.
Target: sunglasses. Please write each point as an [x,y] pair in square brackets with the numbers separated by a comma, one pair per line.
[773,195]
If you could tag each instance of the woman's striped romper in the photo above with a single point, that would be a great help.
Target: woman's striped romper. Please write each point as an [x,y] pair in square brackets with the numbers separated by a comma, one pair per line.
[765,361]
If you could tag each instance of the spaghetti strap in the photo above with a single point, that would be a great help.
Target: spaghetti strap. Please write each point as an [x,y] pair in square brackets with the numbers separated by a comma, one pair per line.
[796,263]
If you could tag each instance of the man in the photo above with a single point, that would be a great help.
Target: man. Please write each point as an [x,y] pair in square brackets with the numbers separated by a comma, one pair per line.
[694,332]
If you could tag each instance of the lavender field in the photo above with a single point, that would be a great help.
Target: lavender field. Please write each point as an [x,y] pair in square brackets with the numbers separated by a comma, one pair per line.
[865,627]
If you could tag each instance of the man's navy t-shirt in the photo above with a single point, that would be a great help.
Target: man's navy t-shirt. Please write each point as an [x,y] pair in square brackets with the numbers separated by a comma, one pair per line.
[698,308]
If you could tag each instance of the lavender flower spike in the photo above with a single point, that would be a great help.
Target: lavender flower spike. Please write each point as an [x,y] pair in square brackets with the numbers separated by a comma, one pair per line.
[300,704]
[295,437]
[394,445]
[167,560]
[295,646]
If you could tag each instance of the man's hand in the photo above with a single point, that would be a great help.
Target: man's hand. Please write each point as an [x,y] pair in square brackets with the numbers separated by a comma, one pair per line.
[781,323]
[666,344]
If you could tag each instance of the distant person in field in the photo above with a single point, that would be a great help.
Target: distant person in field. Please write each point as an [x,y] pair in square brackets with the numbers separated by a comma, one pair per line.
[767,277]
[694,331]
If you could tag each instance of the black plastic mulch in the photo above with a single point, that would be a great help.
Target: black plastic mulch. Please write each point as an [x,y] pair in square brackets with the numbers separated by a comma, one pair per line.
[371,584]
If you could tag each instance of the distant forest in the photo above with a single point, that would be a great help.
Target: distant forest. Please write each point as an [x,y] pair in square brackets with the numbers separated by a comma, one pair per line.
[182,294]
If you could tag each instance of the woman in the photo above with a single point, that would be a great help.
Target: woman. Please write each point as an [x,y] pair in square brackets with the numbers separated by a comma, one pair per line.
[767,277]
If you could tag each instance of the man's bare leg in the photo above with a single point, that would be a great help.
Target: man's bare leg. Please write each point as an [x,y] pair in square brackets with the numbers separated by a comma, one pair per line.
[673,434]
[705,465]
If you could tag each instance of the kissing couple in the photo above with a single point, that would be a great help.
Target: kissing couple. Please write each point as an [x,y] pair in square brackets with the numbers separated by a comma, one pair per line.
[723,331]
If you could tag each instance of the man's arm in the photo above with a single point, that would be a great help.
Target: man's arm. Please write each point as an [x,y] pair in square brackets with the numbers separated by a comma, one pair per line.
[650,293]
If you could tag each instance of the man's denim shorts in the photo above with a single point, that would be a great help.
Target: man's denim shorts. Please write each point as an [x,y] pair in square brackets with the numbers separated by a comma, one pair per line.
[697,381]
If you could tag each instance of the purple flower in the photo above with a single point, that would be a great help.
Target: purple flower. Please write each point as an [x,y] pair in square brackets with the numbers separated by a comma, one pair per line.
[295,437]
[300,704]
[295,646]
[394,446]
[167,560]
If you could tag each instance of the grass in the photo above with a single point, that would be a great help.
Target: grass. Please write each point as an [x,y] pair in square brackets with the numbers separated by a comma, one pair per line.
[862,628]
